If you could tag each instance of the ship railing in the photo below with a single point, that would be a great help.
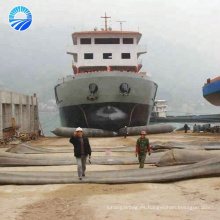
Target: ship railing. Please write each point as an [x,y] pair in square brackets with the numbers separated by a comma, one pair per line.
[69,77]
[142,73]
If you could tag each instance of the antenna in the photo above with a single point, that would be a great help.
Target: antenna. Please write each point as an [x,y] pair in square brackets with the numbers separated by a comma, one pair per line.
[106,26]
[121,23]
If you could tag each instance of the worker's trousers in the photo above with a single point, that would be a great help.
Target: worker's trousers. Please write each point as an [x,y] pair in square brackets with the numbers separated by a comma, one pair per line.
[141,159]
[81,165]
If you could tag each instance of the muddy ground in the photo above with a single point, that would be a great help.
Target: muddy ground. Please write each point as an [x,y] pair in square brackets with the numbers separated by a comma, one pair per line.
[192,199]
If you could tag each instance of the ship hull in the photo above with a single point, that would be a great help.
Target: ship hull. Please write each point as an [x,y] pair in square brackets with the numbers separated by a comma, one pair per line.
[107,116]
[109,109]
[214,98]
[211,92]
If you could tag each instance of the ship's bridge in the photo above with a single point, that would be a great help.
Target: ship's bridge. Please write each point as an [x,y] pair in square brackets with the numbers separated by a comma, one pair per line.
[106,51]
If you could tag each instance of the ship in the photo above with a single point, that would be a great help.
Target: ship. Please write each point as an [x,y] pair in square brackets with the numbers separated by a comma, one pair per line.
[160,109]
[107,89]
[211,91]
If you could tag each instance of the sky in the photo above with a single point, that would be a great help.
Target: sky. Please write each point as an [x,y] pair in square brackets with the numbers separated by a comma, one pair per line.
[190,23]
[182,38]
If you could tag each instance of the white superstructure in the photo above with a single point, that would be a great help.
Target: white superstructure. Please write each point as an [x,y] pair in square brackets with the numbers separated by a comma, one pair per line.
[106,50]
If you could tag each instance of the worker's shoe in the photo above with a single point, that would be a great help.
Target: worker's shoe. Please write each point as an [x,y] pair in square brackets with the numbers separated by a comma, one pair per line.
[80,178]
[83,174]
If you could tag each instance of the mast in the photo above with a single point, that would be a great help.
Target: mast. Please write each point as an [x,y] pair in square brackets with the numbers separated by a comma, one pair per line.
[106,25]
[121,23]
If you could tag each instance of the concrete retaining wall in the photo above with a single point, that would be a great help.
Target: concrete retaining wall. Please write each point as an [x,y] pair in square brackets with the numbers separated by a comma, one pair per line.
[23,108]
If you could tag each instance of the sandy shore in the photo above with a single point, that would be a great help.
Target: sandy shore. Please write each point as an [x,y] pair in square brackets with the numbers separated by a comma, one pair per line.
[192,199]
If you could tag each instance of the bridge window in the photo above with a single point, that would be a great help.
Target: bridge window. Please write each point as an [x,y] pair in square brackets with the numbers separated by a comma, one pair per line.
[107,40]
[88,56]
[128,41]
[125,56]
[107,55]
[85,40]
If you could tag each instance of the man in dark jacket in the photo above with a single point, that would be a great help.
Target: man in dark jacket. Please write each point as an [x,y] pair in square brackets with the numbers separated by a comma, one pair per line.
[81,150]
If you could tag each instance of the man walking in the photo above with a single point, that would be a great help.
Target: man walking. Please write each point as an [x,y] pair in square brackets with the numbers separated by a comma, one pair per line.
[81,150]
[142,147]
[186,128]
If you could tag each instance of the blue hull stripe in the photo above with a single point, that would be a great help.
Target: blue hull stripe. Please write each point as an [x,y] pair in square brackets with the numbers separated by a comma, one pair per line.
[211,88]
